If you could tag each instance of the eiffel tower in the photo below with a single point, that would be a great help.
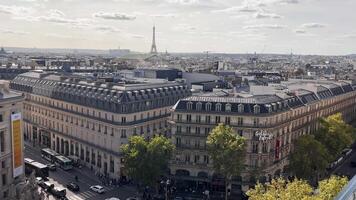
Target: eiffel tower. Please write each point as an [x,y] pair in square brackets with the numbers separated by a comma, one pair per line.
[153,47]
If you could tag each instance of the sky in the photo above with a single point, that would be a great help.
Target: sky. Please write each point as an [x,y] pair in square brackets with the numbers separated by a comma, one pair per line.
[325,27]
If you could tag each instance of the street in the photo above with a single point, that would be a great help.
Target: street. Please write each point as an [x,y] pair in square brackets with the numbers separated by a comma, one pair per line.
[345,167]
[86,178]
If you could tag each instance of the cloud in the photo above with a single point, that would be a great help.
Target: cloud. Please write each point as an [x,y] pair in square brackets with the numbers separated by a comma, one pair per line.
[184,27]
[300,31]
[8,31]
[313,25]
[168,15]
[114,16]
[106,29]
[264,26]
[263,15]
[56,12]
[245,9]
[348,36]
[55,35]
[15,10]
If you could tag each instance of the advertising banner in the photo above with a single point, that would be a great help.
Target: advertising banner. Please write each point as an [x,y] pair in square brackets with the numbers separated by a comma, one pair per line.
[16,144]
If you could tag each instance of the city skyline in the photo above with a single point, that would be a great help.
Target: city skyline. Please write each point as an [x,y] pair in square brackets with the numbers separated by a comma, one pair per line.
[244,26]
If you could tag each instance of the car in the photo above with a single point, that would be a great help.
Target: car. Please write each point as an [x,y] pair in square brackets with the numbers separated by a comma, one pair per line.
[39,180]
[178,198]
[52,167]
[353,163]
[58,192]
[46,185]
[73,187]
[112,198]
[97,188]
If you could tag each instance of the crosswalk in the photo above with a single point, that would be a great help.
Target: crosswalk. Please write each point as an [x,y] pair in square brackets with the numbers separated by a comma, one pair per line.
[88,194]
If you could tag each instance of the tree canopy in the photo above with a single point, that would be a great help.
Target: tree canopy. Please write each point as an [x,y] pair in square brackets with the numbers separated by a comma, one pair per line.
[280,189]
[146,161]
[309,158]
[335,134]
[227,150]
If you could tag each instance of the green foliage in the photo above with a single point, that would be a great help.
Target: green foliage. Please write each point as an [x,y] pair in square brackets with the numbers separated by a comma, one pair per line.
[335,134]
[146,160]
[227,150]
[280,189]
[309,158]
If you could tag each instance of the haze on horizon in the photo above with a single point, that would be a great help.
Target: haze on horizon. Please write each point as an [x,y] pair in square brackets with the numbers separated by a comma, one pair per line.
[232,26]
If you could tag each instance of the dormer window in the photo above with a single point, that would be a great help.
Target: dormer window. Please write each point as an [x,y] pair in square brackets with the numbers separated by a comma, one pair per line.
[190,105]
[199,105]
[208,106]
[240,108]
[218,107]
[256,109]
[228,107]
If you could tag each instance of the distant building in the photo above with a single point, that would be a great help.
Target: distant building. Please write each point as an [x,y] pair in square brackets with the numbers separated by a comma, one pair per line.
[11,141]
[119,52]
[160,73]
[93,119]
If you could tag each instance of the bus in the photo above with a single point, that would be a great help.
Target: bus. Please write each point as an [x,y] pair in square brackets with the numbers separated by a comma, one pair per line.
[64,162]
[49,154]
[40,169]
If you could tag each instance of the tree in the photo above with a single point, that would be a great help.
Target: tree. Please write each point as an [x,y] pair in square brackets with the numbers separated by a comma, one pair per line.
[146,161]
[280,189]
[227,150]
[335,134]
[309,158]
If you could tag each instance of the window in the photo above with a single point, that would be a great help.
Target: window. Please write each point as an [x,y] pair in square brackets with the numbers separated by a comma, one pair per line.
[207,119]
[218,107]
[208,106]
[240,121]
[227,120]
[179,129]
[196,158]
[197,130]
[207,131]
[255,121]
[189,105]
[217,119]
[198,106]
[264,147]
[240,108]
[228,107]
[123,133]
[198,119]
[240,132]
[179,117]
[188,129]
[178,141]
[4,181]
[2,141]
[189,118]
[1,120]
[206,159]
[255,148]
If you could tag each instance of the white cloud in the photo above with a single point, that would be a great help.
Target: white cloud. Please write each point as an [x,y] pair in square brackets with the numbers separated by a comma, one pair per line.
[168,15]
[114,16]
[300,31]
[263,15]
[265,26]
[15,10]
[106,29]
[8,31]
[313,25]
[55,12]
[245,9]
[184,27]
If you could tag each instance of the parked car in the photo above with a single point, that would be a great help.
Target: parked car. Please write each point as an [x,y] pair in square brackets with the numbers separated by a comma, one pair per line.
[39,180]
[112,198]
[73,187]
[178,198]
[97,188]
[52,167]
[58,192]
[46,185]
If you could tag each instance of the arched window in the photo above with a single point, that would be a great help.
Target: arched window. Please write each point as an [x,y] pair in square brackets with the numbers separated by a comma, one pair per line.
[208,106]
[199,105]
[228,107]
[240,108]
[256,109]
[218,107]
[189,105]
